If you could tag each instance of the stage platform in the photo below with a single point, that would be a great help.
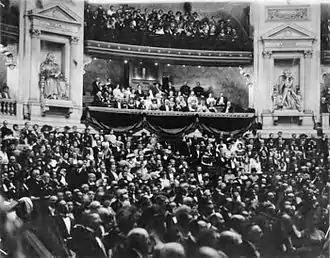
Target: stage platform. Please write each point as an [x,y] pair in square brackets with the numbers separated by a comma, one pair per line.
[168,123]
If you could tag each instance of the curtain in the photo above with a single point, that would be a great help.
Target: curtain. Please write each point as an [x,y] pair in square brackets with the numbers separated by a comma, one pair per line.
[168,123]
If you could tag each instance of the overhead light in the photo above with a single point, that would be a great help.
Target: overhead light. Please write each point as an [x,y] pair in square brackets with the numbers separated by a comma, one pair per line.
[184,66]
[168,65]
[125,61]
[141,62]
[156,64]
[94,58]
[199,66]
[110,60]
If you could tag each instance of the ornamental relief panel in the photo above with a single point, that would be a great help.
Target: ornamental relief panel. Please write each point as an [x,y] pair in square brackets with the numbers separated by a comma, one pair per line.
[287,13]
[53,26]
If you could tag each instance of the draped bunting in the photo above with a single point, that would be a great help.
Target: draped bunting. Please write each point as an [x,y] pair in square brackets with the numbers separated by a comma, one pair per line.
[168,123]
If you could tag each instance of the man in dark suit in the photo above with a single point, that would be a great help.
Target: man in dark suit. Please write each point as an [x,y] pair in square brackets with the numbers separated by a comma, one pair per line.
[185,90]
[5,131]
[86,241]
[199,90]
[64,223]
[33,183]
[97,86]
[139,92]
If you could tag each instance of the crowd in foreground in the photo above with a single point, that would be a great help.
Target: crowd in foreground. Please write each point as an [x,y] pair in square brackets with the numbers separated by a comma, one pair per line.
[161,97]
[163,29]
[123,195]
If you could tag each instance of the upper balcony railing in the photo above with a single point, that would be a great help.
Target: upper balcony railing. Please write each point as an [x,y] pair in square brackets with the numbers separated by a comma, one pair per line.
[9,32]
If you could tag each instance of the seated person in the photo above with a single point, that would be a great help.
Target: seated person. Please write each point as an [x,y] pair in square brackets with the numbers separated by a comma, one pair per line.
[139,92]
[166,106]
[131,104]
[222,102]
[212,108]
[229,108]
[99,97]
[117,93]
[202,106]
[210,100]
[192,102]
[153,105]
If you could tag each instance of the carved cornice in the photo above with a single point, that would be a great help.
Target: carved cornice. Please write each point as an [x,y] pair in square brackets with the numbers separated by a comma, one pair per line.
[267,54]
[35,33]
[176,56]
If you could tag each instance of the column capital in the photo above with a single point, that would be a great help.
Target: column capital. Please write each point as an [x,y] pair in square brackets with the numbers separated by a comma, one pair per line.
[267,54]
[35,33]
[74,40]
[308,53]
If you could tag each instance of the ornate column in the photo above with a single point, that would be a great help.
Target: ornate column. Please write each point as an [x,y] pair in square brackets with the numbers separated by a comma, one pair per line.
[75,88]
[308,90]
[268,87]
[34,95]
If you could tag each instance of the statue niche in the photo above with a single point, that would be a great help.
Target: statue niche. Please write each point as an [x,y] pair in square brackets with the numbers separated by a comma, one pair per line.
[52,83]
[286,95]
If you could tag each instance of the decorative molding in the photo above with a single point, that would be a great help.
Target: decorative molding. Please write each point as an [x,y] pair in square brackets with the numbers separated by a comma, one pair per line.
[161,55]
[308,53]
[267,54]
[74,40]
[57,11]
[247,73]
[170,113]
[288,31]
[35,33]
[287,13]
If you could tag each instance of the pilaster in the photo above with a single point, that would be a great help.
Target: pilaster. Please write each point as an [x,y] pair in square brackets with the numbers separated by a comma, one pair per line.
[34,63]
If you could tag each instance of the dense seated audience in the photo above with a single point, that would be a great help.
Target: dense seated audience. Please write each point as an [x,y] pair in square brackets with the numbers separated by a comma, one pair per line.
[122,195]
[159,97]
[163,29]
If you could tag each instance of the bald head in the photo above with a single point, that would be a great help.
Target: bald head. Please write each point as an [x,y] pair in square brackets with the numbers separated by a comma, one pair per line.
[208,252]
[170,250]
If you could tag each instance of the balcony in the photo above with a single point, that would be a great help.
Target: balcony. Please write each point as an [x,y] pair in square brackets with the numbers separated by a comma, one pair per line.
[9,32]
[170,55]
[8,108]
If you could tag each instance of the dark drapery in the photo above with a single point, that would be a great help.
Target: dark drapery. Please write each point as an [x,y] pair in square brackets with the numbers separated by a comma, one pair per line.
[168,123]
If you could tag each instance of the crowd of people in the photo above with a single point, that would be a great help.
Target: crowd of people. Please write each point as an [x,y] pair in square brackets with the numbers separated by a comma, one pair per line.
[127,195]
[154,27]
[161,97]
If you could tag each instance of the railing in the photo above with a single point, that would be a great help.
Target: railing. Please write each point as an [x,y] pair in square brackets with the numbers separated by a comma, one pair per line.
[9,31]
[8,107]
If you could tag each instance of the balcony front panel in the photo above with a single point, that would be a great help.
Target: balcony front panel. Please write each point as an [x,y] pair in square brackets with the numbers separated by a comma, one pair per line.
[170,55]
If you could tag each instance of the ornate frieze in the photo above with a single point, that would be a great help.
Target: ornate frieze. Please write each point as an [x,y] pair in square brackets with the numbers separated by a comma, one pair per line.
[287,13]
